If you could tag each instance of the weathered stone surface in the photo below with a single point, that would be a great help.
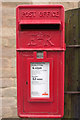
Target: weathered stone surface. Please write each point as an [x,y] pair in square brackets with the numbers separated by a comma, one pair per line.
[4,42]
[9,41]
[8,52]
[9,72]
[40,2]
[6,112]
[0,3]
[8,32]
[7,82]
[5,62]
[0,112]
[1,72]
[0,39]
[9,112]
[8,11]
[19,1]
[67,4]
[0,62]
[0,82]
[0,101]
[9,102]
[13,62]
[0,17]
[8,21]
[0,92]
[9,92]
[8,62]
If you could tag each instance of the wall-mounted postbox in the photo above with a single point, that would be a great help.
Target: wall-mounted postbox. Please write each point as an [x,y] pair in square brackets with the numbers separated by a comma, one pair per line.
[40,60]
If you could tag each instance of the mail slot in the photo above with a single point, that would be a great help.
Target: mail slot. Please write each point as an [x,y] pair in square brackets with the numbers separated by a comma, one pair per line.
[40,49]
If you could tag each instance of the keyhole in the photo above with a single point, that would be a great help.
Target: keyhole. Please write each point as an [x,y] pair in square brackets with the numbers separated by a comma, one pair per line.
[26,82]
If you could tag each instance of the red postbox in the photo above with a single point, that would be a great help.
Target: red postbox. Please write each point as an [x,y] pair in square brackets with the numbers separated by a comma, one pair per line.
[40,50]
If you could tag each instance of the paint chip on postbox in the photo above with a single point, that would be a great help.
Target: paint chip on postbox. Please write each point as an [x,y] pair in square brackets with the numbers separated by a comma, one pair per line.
[40,49]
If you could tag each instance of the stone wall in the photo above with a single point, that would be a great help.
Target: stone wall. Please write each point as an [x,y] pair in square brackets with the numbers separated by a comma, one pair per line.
[8,77]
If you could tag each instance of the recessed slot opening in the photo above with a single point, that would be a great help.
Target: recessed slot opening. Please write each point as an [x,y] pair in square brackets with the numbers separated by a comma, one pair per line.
[39,26]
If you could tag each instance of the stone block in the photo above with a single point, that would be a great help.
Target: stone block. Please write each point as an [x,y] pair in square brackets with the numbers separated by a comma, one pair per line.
[8,72]
[9,112]
[0,92]
[8,52]
[5,62]
[8,32]
[8,21]
[8,11]
[13,62]
[8,82]
[9,92]
[9,102]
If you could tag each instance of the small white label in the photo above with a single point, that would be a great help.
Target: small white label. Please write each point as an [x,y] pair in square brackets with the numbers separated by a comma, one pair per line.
[40,80]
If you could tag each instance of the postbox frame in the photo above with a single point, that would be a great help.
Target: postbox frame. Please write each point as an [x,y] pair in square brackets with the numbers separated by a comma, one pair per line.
[44,59]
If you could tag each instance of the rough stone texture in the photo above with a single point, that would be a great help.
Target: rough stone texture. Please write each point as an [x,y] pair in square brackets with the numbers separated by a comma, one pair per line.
[9,72]
[9,92]
[8,62]
[9,42]
[8,82]
[28,1]
[8,52]
[67,5]
[0,92]
[0,101]
[8,76]
[9,112]
[10,10]
[9,102]
[12,62]
[5,62]
[8,32]
[1,72]
[0,62]
[0,113]
[9,21]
